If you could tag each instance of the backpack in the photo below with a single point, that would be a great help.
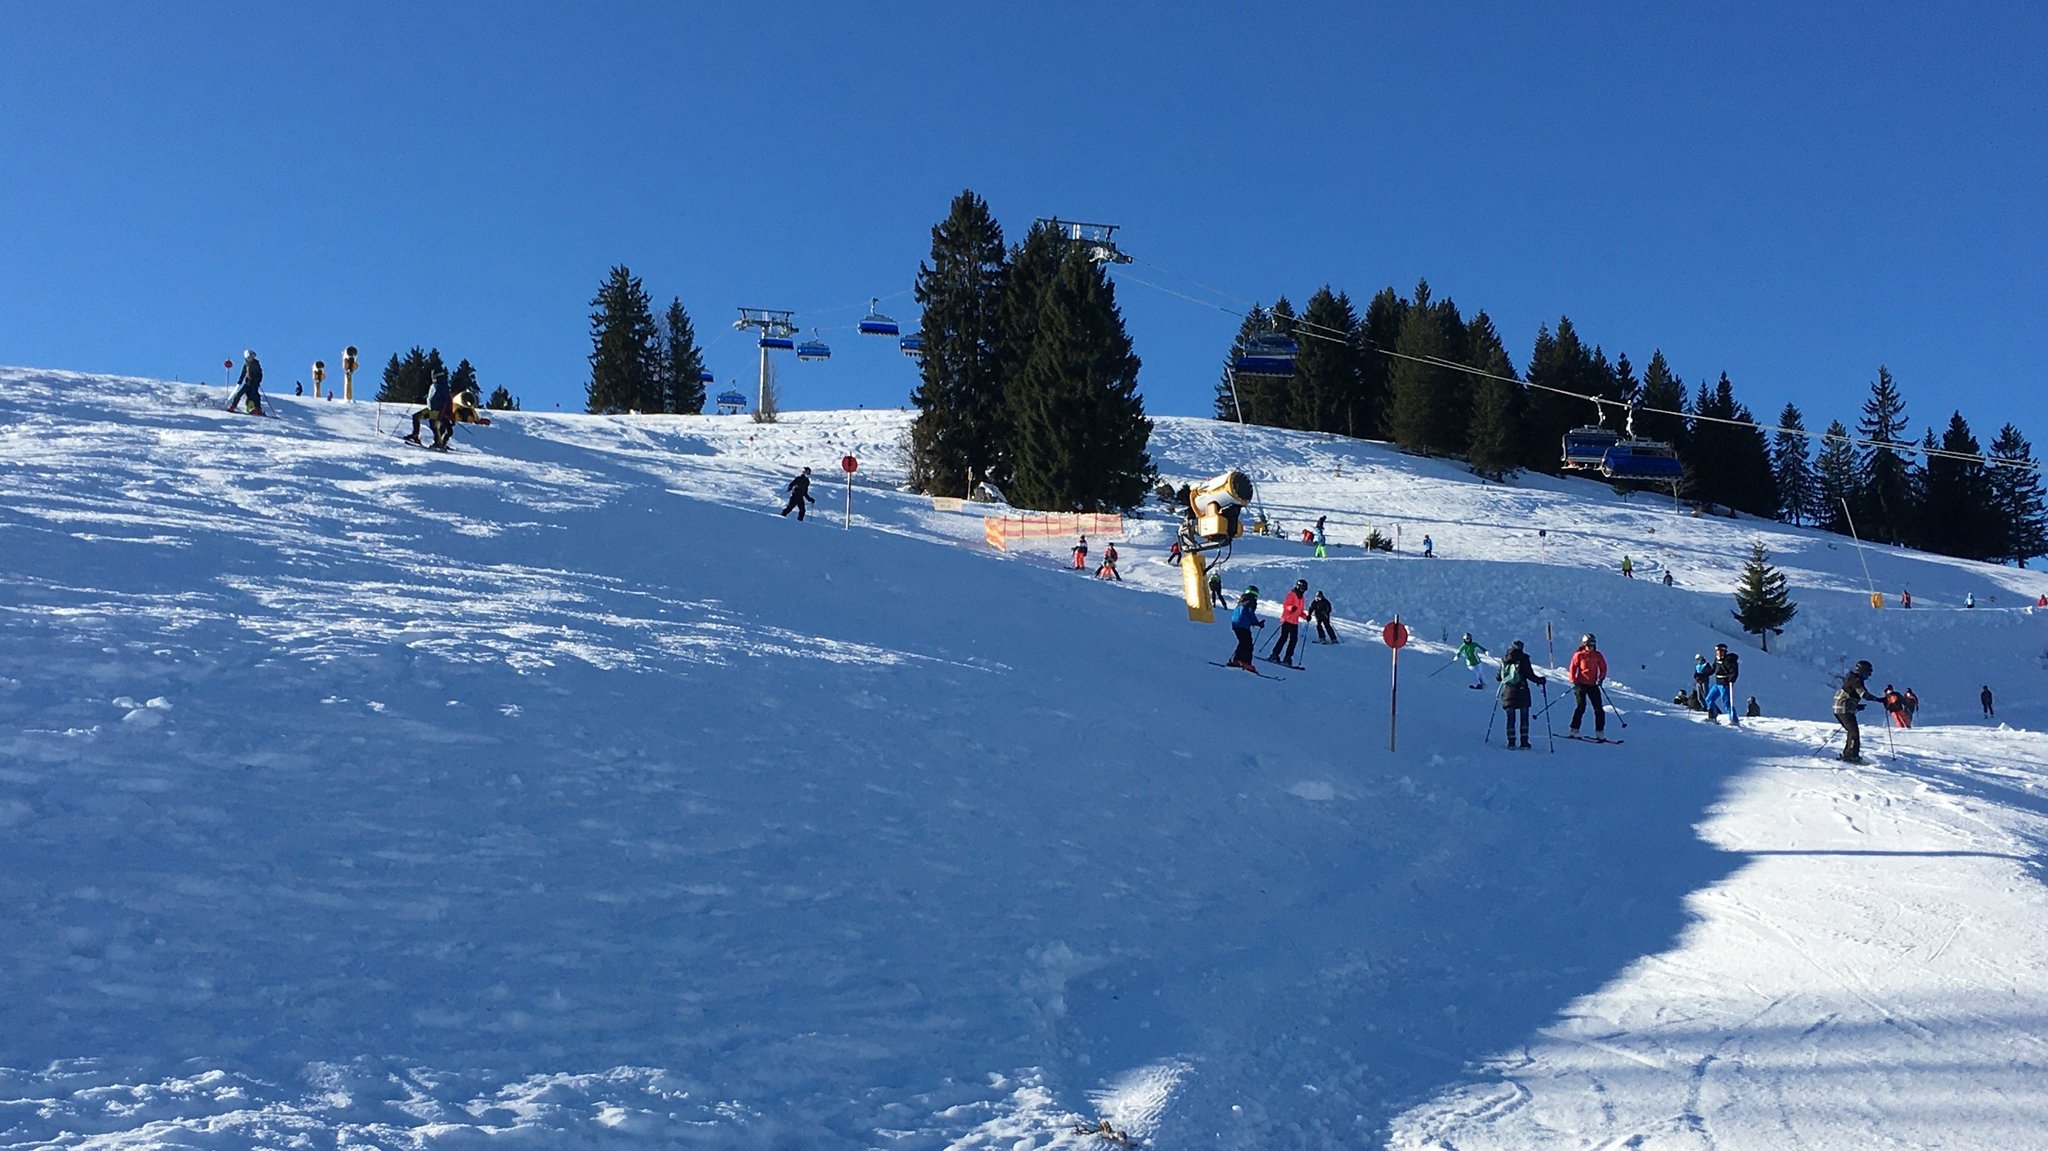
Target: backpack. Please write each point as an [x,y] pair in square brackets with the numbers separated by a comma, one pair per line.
[1511,673]
[255,373]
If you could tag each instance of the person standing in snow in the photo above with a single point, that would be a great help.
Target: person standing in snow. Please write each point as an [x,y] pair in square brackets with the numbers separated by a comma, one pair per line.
[1081,555]
[1588,670]
[439,412]
[1848,701]
[1108,568]
[799,490]
[1470,651]
[1628,568]
[1242,621]
[1429,549]
[1905,599]
[1970,599]
[1985,699]
[1721,696]
[248,385]
[1702,674]
[1515,676]
[1667,577]
[1216,595]
[1292,611]
[1894,706]
[1910,704]
[1319,611]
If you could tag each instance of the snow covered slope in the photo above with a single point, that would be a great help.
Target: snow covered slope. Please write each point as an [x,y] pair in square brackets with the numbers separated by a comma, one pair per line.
[554,792]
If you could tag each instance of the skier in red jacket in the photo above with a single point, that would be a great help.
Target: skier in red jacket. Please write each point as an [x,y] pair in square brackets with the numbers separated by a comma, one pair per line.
[1588,671]
[1293,610]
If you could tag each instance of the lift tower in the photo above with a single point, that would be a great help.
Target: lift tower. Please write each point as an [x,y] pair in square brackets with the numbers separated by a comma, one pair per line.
[778,331]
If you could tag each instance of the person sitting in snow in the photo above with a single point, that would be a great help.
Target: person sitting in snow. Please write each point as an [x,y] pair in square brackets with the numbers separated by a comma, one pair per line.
[1750,710]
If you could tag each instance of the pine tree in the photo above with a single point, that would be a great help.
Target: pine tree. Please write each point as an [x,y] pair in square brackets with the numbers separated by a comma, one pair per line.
[1324,394]
[501,400]
[1492,442]
[1256,322]
[1957,505]
[624,352]
[406,381]
[1790,464]
[960,428]
[1884,509]
[2016,498]
[1664,392]
[1377,335]
[1562,362]
[1763,605]
[682,362]
[1419,387]
[1834,480]
[1079,425]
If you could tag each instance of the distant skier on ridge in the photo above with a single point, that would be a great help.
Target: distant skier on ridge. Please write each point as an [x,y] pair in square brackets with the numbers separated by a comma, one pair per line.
[248,385]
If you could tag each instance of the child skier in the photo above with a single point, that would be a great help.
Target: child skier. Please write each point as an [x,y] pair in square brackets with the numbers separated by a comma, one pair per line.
[1242,621]
[1470,651]
[1515,677]
[1319,611]
[1108,568]
[1081,555]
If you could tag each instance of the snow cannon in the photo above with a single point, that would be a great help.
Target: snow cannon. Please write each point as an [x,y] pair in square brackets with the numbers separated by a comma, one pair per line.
[1214,506]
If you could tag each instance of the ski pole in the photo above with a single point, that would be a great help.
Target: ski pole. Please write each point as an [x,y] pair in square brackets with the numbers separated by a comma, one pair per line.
[1446,667]
[1616,709]
[1490,713]
[1549,734]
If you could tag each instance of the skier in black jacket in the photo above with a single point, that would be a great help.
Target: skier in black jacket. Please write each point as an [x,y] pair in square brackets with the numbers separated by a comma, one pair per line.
[799,490]
[1721,697]
[249,385]
[1319,611]
[1515,677]
[1848,701]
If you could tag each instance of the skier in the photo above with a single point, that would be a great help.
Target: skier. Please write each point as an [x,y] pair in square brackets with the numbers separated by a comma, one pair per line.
[1905,599]
[799,490]
[1470,651]
[1588,671]
[1970,599]
[1108,568]
[1322,541]
[439,413]
[1721,696]
[1848,701]
[1242,621]
[1702,673]
[1750,710]
[1216,595]
[1985,699]
[1429,553]
[1515,677]
[1910,704]
[248,385]
[1081,555]
[1173,554]
[1319,611]
[1667,577]
[1894,706]
[1628,568]
[1292,611]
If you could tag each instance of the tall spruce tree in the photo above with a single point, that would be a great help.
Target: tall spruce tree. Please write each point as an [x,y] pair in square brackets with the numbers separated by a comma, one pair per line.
[1079,425]
[406,381]
[1421,388]
[1665,392]
[1835,480]
[1256,322]
[1377,335]
[624,352]
[2017,499]
[1560,361]
[1791,465]
[960,426]
[501,400]
[1324,394]
[1267,399]
[1884,507]
[1492,441]
[1958,515]
[682,362]
[1763,604]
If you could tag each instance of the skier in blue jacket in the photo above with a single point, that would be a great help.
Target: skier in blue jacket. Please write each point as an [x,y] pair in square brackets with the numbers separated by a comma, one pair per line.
[1243,619]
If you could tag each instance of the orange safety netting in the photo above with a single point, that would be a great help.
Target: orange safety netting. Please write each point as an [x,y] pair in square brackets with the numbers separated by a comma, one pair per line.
[1002,531]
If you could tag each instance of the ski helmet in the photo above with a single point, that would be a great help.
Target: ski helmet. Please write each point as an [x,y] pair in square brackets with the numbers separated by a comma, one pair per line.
[1468,637]
[1301,585]
[247,354]
[1515,646]
[1251,589]
[1586,640]
[1720,647]
[1863,667]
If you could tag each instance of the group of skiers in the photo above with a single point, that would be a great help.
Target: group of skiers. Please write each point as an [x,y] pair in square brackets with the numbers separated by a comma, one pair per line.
[438,414]
[1294,608]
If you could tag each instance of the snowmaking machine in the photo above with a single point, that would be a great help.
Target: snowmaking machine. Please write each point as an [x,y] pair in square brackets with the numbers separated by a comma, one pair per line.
[1209,521]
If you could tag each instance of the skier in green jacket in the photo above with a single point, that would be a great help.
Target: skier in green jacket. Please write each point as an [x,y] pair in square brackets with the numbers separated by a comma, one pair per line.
[1470,651]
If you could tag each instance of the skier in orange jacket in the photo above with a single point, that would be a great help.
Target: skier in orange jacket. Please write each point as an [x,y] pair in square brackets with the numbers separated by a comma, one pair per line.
[1588,671]
[1293,610]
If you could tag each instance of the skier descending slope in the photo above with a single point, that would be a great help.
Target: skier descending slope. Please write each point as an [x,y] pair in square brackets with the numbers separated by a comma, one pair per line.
[1515,677]
[1470,651]
[799,490]
[1242,620]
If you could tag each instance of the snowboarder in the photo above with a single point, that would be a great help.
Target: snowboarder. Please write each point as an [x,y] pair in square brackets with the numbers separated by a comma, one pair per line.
[1429,549]
[1588,671]
[1628,568]
[1894,706]
[1848,701]
[1910,703]
[799,490]
[1985,699]
[1750,710]
[1721,696]
[1292,611]
[1470,651]
[1319,611]
[1108,568]
[248,385]
[1081,555]
[1242,621]
[1515,677]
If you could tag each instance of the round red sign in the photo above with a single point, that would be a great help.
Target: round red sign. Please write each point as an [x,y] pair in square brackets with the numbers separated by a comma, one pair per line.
[849,465]
[1396,634]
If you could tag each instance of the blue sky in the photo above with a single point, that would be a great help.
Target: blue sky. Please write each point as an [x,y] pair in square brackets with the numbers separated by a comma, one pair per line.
[1793,197]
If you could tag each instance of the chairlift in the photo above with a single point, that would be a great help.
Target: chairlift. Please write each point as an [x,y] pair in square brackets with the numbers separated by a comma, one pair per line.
[1586,448]
[912,345]
[1266,354]
[1641,460]
[813,349]
[775,343]
[731,403]
[706,378]
[877,324]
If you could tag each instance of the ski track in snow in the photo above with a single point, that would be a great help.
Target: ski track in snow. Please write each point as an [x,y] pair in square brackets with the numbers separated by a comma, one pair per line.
[555,792]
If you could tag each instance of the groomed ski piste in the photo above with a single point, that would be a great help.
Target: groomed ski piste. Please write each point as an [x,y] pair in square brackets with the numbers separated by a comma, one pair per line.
[554,792]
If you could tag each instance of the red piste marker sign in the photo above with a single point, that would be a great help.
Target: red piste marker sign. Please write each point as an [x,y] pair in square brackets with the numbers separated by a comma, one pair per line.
[849,465]
[1396,636]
